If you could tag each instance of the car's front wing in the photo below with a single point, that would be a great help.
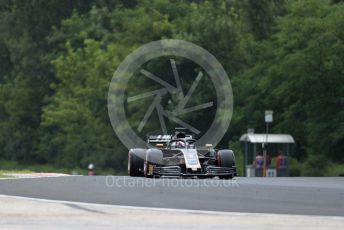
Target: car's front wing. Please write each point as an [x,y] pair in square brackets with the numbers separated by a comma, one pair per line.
[177,170]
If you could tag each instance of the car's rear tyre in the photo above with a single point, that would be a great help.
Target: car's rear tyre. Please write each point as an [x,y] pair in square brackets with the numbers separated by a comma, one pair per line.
[225,158]
[153,157]
[136,159]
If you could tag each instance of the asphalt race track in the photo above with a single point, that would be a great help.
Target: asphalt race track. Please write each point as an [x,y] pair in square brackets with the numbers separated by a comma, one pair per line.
[309,196]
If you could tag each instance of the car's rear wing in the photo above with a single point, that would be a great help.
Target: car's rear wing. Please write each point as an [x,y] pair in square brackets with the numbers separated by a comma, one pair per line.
[158,139]
[164,139]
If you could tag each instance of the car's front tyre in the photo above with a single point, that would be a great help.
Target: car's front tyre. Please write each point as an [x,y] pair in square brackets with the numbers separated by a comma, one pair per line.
[136,162]
[225,158]
[153,157]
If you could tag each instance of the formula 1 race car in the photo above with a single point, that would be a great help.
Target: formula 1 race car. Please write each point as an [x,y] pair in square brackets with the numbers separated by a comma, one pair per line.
[177,155]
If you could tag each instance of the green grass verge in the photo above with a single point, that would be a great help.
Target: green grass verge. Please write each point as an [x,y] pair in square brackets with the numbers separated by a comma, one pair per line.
[4,173]
[15,167]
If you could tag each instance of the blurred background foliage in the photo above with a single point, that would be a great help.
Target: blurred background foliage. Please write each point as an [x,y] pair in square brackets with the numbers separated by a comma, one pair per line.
[57,59]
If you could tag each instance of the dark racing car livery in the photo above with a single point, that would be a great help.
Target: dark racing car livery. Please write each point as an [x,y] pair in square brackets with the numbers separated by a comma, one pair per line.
[177,155]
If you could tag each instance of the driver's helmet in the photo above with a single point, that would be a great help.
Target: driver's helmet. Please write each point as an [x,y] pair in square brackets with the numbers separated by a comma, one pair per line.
[180,144]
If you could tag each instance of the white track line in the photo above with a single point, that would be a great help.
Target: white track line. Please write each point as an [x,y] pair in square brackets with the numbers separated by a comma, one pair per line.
[190,211]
